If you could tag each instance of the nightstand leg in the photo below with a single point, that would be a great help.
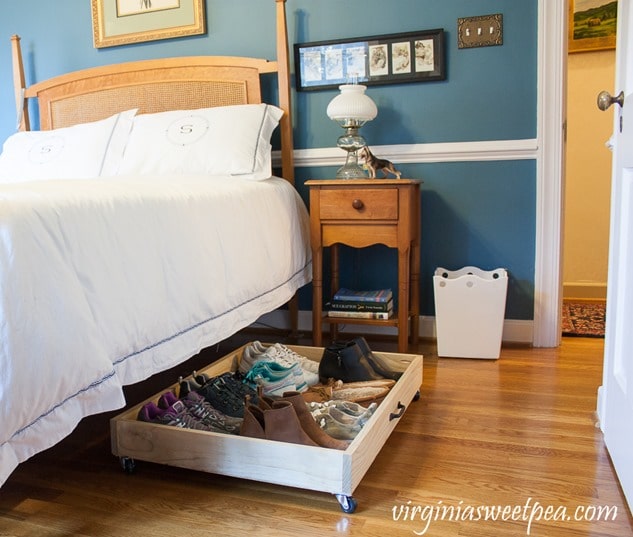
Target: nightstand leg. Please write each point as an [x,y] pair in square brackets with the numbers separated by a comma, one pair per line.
[317,296]
[414,329]
[403,300]
[334,255]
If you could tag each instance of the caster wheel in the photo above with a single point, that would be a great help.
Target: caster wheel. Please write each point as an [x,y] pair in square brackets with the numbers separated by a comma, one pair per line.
[128,465]
[348,503]
[416,397]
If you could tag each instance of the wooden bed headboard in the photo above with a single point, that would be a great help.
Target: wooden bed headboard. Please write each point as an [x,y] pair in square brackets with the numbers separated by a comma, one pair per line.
[159,85]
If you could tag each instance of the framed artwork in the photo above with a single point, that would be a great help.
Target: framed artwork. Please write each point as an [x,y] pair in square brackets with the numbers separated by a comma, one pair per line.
[121,22]
[382,59]
[592,24]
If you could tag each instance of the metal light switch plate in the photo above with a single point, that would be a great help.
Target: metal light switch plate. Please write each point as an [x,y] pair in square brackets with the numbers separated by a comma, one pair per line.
[482,31]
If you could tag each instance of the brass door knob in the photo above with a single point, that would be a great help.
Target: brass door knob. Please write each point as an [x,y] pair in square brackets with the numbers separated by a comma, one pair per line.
[605,100]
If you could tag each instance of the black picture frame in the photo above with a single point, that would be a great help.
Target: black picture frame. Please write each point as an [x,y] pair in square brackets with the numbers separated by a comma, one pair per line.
[379,59]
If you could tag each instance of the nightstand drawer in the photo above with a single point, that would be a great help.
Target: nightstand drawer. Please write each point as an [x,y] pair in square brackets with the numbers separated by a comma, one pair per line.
[359,204]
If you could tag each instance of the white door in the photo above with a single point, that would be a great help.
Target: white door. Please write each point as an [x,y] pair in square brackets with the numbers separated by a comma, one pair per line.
[615,396]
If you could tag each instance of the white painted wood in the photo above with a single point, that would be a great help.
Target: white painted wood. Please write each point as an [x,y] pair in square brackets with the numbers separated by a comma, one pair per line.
[425,153]
[615,396]
[552,89]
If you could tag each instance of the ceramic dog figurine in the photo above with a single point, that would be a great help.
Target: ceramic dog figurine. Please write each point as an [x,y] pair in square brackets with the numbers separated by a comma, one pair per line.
[375,164]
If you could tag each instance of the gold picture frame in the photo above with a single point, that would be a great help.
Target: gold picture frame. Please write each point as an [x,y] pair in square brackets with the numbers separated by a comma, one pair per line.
[592,27]
[123,22]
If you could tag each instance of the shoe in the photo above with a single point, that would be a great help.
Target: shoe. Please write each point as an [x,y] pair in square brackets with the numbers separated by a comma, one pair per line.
[377,364]
[222,396]
[279,423]
[317,394]
[360,395]
[345,362]
[309,425]
[309,366]
[282,355]
[200,378]
[256,352]
[201,409]
[176,415]
[187,385]
[359,392]
[275,379]
[238,386]
[356,411]
[338,424]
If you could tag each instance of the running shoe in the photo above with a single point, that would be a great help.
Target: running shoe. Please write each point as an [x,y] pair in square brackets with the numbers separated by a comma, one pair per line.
[176,415]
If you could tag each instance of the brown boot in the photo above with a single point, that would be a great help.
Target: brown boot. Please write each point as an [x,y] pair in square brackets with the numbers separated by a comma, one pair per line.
[253,423]
[309,425]
[279,423]
[283,425]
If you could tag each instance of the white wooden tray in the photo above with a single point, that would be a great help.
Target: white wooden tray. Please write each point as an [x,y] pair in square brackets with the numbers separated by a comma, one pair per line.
[328,470]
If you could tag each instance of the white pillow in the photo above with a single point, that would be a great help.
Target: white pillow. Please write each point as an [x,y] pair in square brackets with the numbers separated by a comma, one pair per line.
[86,150]
[225,140]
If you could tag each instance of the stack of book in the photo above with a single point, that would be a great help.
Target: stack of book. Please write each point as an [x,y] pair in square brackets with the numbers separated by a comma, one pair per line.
[347,303]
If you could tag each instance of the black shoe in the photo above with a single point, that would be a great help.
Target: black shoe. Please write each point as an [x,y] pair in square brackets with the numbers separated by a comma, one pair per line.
[217,392]
[187,385]
[345,362]
[234,384]
[375,362]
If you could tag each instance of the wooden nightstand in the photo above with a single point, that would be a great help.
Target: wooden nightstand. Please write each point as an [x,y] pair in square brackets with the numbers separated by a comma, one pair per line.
[360,213]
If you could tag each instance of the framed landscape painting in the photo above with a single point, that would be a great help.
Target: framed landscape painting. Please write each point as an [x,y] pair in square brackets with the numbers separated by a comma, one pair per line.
[592,24]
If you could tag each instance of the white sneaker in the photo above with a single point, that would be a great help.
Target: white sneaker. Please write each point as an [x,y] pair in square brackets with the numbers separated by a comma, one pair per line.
[282,355]
[310,367]
[306,363]
[251,355]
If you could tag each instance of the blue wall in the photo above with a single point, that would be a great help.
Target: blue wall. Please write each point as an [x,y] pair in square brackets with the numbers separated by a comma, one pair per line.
[474,213]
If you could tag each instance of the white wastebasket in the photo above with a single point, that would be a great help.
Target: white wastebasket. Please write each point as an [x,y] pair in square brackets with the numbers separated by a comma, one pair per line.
[469,310]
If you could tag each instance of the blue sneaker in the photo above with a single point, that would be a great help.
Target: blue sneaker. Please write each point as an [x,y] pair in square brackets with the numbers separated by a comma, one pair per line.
[276,379]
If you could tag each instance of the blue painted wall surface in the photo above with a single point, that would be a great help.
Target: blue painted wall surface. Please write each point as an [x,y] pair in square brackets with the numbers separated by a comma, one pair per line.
[473,213]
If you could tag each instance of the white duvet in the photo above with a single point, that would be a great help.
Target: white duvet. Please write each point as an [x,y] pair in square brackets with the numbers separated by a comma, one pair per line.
[107,281]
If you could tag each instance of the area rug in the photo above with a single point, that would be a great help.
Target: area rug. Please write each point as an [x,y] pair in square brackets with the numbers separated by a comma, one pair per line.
[583,318]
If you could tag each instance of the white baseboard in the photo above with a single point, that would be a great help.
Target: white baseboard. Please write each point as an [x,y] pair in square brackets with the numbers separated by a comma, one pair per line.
[514,331]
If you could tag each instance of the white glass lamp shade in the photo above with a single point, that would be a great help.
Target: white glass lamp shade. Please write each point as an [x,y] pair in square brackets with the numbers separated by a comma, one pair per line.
[352,103]
[351,109]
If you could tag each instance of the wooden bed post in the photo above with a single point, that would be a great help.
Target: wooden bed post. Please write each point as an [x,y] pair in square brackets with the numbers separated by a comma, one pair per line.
[19,84]
[285,125]
[283,62]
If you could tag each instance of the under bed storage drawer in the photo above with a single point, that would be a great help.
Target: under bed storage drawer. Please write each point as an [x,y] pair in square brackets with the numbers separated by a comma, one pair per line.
[328,470]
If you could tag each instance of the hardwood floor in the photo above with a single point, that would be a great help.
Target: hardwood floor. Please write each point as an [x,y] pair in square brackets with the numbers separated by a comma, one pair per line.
[519,432]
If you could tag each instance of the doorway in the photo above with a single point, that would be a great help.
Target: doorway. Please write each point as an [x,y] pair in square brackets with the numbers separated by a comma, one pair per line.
[587,178]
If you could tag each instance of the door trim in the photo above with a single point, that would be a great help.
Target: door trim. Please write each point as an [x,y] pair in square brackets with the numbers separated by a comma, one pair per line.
[551,125]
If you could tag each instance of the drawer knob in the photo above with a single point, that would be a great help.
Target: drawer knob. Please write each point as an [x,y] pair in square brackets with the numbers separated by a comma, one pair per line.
[358,204]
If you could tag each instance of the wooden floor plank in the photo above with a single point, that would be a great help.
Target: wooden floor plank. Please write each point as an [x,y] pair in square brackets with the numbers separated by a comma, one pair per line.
[518,432]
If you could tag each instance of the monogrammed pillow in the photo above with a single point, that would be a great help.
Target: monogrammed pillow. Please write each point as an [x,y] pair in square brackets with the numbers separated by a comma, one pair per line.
[83,151]
[226,140]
